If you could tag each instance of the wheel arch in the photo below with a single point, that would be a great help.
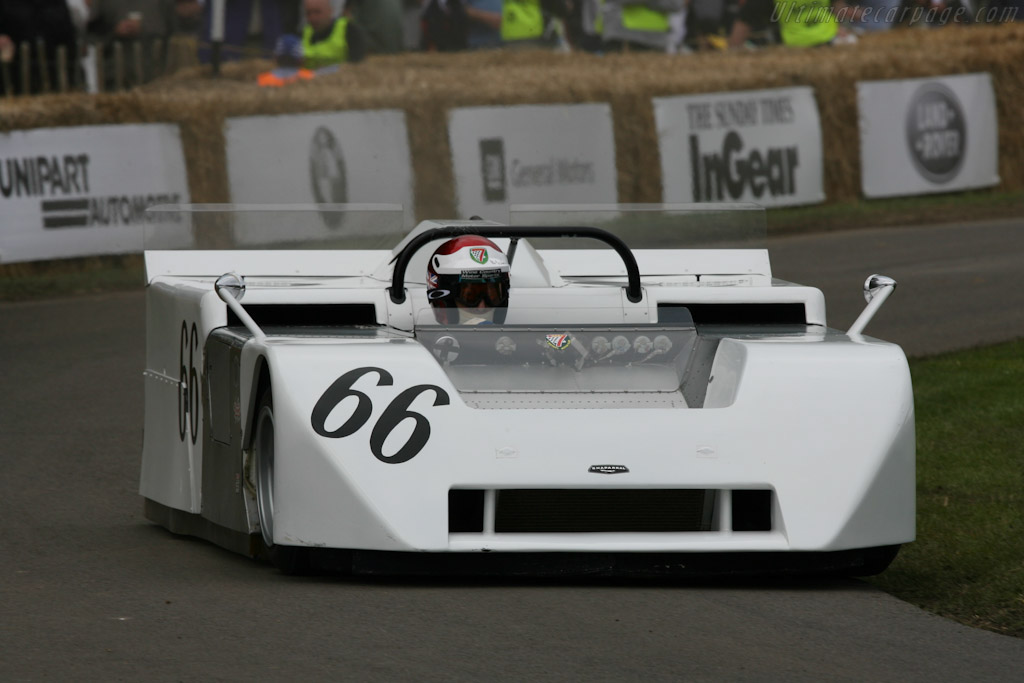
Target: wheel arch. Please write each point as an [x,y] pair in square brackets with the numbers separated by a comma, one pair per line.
[260,383]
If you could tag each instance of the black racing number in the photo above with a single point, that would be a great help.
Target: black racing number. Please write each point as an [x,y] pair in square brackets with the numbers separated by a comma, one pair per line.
[338,392]
[396,412]
[188,382]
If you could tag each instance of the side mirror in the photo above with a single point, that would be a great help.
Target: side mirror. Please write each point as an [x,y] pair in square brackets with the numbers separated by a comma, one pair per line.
[877,289]
[230,287]
[233,285]
[874,285]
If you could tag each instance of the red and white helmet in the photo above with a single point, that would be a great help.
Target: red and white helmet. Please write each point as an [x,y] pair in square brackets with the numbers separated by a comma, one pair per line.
[469,273]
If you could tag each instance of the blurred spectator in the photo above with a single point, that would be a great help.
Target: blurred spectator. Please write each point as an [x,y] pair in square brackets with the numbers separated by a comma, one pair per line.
[533,23]
[644,25]
[934,13]
[801,23]
[752,16]
[583,25]
[329,40]
[873,15]
[29,21]
[273,18]
[188,15]
[137,26]
[444,26]
[484,23]
[288,56]
[382,22]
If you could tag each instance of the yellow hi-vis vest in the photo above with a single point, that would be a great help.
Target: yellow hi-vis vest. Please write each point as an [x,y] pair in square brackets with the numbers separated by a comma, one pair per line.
[636,18]
[804,23]
[521,20]
[332,50]
[640,18]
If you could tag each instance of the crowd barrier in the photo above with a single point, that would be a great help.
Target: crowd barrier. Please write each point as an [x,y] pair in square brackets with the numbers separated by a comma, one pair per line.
[458,134]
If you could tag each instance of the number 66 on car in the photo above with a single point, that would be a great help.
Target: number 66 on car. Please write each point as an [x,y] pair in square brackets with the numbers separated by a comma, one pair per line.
[598,390]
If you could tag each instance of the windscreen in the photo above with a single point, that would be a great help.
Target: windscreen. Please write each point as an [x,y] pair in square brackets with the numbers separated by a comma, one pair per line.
[653,226]
[274,226]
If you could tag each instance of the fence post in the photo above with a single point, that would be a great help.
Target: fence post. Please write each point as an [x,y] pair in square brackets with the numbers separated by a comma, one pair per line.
[26,68]
[44,66]
[118,66]
[137,58]
[5,67]
[159,64]
[101,68]
[62,68]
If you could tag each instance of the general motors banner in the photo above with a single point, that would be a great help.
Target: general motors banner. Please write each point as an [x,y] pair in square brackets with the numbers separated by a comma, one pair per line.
[83,191]
[321,158]
[925,135]
[535,154]
[761,146]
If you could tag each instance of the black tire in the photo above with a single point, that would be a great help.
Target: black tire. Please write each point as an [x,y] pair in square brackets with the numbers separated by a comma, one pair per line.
[288,559]
[876,560]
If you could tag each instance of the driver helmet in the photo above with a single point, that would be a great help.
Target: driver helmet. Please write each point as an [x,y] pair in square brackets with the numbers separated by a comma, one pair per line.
[467,278]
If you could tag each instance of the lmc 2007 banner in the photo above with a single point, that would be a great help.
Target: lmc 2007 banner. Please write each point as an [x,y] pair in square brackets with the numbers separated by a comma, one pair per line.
[761,146]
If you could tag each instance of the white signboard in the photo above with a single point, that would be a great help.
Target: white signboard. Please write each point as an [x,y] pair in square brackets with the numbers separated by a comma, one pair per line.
[761,146]
[536,154]
[82,191]
[323,158]
[925,135]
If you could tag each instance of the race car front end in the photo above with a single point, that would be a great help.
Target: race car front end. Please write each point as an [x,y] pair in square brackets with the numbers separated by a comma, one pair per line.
[752,450]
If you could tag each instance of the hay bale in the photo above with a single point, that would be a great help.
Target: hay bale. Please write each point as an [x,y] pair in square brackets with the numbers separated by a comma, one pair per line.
[427,86]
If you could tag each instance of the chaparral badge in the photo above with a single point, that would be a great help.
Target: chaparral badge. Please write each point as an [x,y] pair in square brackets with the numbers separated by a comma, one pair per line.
[479,255]
[558,341]
[608,469]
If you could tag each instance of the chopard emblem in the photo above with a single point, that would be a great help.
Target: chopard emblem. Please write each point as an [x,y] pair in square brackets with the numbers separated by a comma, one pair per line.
[557,341]
[608,469]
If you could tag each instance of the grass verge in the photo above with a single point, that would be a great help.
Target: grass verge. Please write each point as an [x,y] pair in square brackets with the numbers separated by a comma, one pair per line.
[67,277]
[968,560]
[977,205]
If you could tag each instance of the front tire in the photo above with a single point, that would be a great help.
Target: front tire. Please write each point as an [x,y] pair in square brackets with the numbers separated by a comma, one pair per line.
[288,559]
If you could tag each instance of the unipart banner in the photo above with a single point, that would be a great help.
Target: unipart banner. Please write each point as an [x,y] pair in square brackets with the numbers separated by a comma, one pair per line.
[535,154]
[323,158]
[925,135]
[84,191]
[761,146]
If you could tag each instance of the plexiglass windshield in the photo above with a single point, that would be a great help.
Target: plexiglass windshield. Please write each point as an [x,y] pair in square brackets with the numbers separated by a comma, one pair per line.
[274,226]
[653,226]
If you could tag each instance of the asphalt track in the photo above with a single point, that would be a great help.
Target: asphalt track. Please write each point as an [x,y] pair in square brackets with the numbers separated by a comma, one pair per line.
[90,591]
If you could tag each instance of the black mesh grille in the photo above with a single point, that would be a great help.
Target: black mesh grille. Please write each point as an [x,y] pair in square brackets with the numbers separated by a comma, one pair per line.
[603,510]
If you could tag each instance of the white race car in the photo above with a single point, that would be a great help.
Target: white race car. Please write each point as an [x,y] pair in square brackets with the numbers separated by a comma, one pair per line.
[607,411]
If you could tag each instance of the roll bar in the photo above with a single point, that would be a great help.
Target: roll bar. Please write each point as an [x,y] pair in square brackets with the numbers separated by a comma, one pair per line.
[397,289]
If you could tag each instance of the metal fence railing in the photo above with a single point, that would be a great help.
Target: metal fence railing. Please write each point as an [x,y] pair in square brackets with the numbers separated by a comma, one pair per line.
[88,66]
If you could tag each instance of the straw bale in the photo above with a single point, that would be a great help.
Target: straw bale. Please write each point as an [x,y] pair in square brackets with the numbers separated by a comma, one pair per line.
[427,86]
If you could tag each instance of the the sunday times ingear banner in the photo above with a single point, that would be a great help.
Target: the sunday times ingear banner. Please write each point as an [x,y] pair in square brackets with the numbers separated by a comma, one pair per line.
[534,154]
[84,191]
[321,158]
[761,146]
[925,135]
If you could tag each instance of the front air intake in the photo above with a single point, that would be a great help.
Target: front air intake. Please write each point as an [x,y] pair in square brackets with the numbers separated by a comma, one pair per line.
[601,510]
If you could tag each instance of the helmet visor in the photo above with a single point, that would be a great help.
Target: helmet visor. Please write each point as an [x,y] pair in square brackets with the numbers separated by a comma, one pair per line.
[490,291]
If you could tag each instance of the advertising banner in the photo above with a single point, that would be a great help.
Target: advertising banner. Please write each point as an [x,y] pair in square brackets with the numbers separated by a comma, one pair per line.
[926,135]
[84,191]
[321,158]
[761,146]
[534,154]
